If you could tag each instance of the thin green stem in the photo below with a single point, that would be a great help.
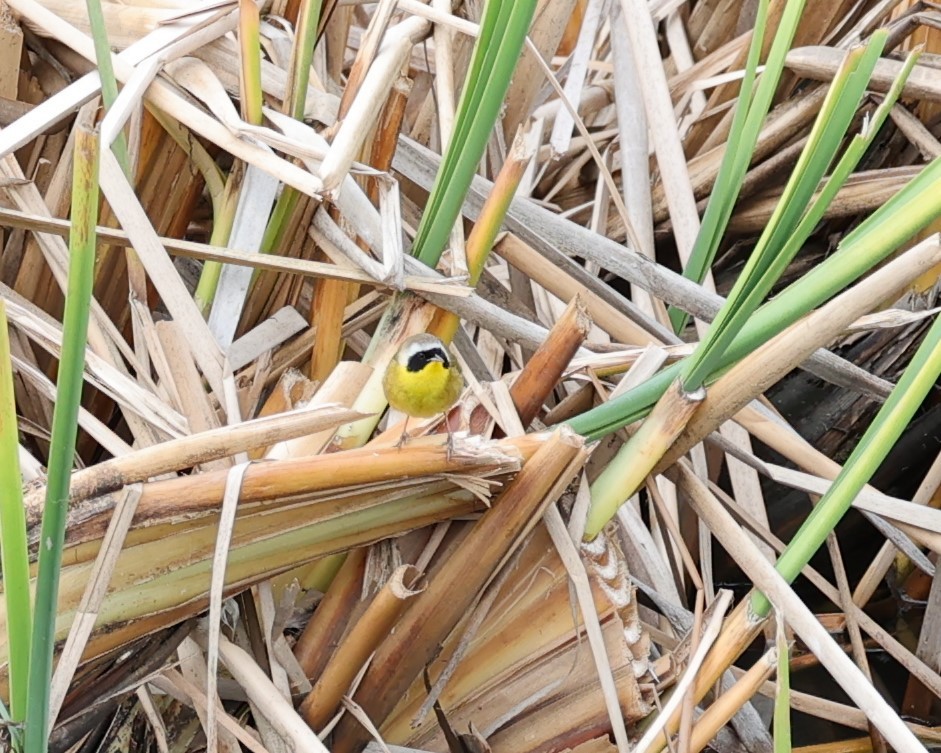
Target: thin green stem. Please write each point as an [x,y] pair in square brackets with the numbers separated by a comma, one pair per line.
[918,379]
[503,32]
[302,54]
[64,432]
[109,83]
[223,219]
[13,551]
[250,59]
[731,174]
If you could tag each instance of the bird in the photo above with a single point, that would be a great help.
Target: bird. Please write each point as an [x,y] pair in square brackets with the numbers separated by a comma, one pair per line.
[422,380]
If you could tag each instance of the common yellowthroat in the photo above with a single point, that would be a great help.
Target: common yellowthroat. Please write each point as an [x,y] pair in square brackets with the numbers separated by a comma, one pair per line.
[422,380]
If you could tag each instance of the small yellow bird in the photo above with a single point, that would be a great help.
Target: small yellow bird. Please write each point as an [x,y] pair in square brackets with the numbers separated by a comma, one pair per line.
[422,380]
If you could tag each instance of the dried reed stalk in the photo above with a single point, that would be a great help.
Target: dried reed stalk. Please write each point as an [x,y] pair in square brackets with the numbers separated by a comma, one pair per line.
[372,628]
[321,635]
[433,614]
[543,371]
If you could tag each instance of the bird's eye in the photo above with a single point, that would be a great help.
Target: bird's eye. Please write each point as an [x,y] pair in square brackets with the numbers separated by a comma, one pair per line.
[418,361]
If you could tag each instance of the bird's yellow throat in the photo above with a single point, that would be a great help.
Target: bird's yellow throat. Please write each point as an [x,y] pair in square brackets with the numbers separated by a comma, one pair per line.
[424,393]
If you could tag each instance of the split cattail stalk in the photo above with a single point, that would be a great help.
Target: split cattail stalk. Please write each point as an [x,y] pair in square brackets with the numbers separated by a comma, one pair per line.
[435,613]
[544,370]
[728,704]
[142,599]
[322,633]
[366,636]
[187,452]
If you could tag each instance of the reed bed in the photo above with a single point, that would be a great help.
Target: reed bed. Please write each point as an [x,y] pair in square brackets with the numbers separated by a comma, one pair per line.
[686,255]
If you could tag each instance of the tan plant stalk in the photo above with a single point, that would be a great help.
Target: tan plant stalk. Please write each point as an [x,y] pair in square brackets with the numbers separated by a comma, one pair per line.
[323,631]
[656,435]
[433,614]
[263,693]
[143,600]
[562,285]
[178,454]
[728,704]
[372,628]
[543,371]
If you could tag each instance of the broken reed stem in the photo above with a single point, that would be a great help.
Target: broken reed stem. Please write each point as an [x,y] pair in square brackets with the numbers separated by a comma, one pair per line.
[304,475]
[728,704]
[433,614]
[625,474]
[322,633]
[279,483]
[331,297]
[543,371]
[387,133]
[186,452]
[370,630]
[485,231]
[769,363]
[342,387]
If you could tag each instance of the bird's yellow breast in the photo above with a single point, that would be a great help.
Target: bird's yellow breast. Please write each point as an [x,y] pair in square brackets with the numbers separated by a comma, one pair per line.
[423,393]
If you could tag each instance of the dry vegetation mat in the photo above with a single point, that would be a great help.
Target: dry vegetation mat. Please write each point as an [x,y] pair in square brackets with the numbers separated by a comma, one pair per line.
[685,256]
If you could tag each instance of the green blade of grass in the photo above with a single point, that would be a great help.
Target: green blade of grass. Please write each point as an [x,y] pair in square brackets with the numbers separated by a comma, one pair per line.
[13,551]
[302,53]
[64,432]
[743,135]
[916,381]
[250,61]
[767,261]
[503,32]
[109,83]
[912,209]
[728,182]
